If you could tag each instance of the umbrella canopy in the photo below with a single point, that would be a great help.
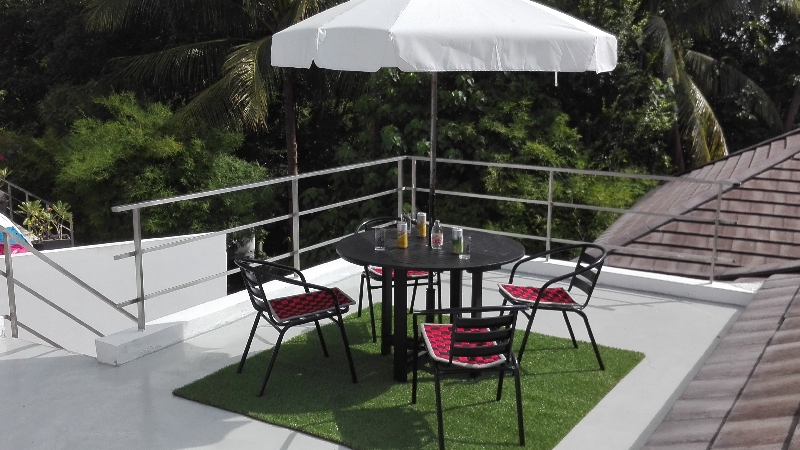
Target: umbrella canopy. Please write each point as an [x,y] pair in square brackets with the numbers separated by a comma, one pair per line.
[444,35]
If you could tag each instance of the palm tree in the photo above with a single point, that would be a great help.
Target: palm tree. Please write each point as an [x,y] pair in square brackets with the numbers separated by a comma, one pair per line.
[671,26]
[230,64]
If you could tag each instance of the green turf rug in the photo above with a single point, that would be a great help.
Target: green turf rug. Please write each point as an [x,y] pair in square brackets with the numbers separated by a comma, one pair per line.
[315,395]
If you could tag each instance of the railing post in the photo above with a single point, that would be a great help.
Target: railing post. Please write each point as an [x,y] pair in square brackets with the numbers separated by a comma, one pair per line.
[399,188]
[12,301]
[414,188]
[296,222]
[716,233]
[137,249]
[10,204]
[549,210]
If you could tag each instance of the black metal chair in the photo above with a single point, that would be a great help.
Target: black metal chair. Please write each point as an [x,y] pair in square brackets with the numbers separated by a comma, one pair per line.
[374,275]
[315,304]
[478,344]
[548,297]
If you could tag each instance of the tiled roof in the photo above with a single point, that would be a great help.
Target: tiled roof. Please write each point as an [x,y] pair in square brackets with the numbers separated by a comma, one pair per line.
[747,394]
[759,213]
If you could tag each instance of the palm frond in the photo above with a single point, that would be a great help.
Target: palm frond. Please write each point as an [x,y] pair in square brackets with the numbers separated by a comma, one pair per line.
[705,18]
[211,106]
[102,15]
[715,77]
[243,94]
[791,7]
[699,123]
[194,64]
[656,29]
[220,15]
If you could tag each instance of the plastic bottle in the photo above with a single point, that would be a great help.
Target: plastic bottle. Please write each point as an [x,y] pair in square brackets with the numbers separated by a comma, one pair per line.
[437,235]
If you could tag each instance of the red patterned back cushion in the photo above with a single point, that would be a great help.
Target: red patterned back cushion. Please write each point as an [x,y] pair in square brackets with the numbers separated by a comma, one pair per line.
[438,338]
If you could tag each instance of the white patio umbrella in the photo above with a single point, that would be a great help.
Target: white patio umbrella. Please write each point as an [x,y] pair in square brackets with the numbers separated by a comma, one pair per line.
[444,35]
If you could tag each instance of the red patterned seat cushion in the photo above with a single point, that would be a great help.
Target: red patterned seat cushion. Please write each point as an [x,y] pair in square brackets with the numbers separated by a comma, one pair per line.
[295,306]
[377,272]
[527,294]
[438,338]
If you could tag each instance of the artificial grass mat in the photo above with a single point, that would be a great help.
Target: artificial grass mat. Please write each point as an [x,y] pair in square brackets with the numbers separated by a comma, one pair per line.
[315,395]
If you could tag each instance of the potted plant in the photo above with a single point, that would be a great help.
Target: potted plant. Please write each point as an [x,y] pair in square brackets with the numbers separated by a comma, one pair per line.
[47,225]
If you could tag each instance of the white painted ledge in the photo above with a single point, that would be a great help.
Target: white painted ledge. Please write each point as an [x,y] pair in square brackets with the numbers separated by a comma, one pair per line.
[125,346]
[738,294]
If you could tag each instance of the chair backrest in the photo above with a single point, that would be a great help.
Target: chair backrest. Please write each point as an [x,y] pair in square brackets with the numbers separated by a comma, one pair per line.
[377,222]
[255,273]
[483,337]
[587,269]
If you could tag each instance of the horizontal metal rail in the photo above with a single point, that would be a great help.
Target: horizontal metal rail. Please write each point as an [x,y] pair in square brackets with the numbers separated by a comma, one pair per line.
[212,193]
[642,251]
[201,237]
[585,207]
[189,284]
[582,172]
[347,202]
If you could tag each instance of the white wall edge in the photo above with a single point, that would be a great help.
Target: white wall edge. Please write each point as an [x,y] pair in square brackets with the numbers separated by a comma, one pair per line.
[738,294]
[130,344]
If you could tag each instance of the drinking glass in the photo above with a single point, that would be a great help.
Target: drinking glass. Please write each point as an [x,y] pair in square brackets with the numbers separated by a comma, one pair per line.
[380,239]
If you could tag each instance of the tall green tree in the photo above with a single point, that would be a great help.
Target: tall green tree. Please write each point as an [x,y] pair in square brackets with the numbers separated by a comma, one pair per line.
[134,154]
[219,47]
[672,25]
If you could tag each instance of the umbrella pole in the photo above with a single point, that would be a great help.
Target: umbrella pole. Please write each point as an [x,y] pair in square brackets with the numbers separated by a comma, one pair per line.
[434,138]
[430,293]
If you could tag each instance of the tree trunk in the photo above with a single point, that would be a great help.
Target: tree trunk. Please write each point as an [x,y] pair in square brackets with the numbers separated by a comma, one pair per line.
[794,106]
[290,122]
[677,148]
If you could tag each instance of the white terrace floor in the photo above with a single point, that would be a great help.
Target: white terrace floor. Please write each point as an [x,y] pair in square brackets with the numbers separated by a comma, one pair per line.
[52,399]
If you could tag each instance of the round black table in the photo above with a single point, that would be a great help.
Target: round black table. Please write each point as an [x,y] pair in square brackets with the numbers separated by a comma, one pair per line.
[489,252]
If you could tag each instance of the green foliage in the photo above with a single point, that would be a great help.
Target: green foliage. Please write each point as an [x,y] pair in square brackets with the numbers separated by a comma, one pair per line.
[133,157]
[38,220]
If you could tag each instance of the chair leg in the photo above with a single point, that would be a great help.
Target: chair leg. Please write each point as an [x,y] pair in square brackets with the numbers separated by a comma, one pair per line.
[531,316]
[569,327]
[439,286]
[520,422]
[371,313]
[439,421]
[272,362]
[249,341]
[321,339]
[347,350]
[591,337]
[361,293]
[500,379]
[414,376]
[413,297]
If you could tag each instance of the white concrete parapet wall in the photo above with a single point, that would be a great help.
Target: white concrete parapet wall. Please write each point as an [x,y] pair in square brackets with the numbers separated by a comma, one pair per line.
[130,344]
[633,280]
[95,265]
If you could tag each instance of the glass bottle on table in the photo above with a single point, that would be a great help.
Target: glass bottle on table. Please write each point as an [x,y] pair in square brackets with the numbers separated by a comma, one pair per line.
[437,235]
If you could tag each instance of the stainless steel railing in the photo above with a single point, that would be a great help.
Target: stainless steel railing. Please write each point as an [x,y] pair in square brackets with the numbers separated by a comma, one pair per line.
[294,215]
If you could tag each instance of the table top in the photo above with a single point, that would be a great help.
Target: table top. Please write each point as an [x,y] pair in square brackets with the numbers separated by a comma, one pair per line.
[489,252]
